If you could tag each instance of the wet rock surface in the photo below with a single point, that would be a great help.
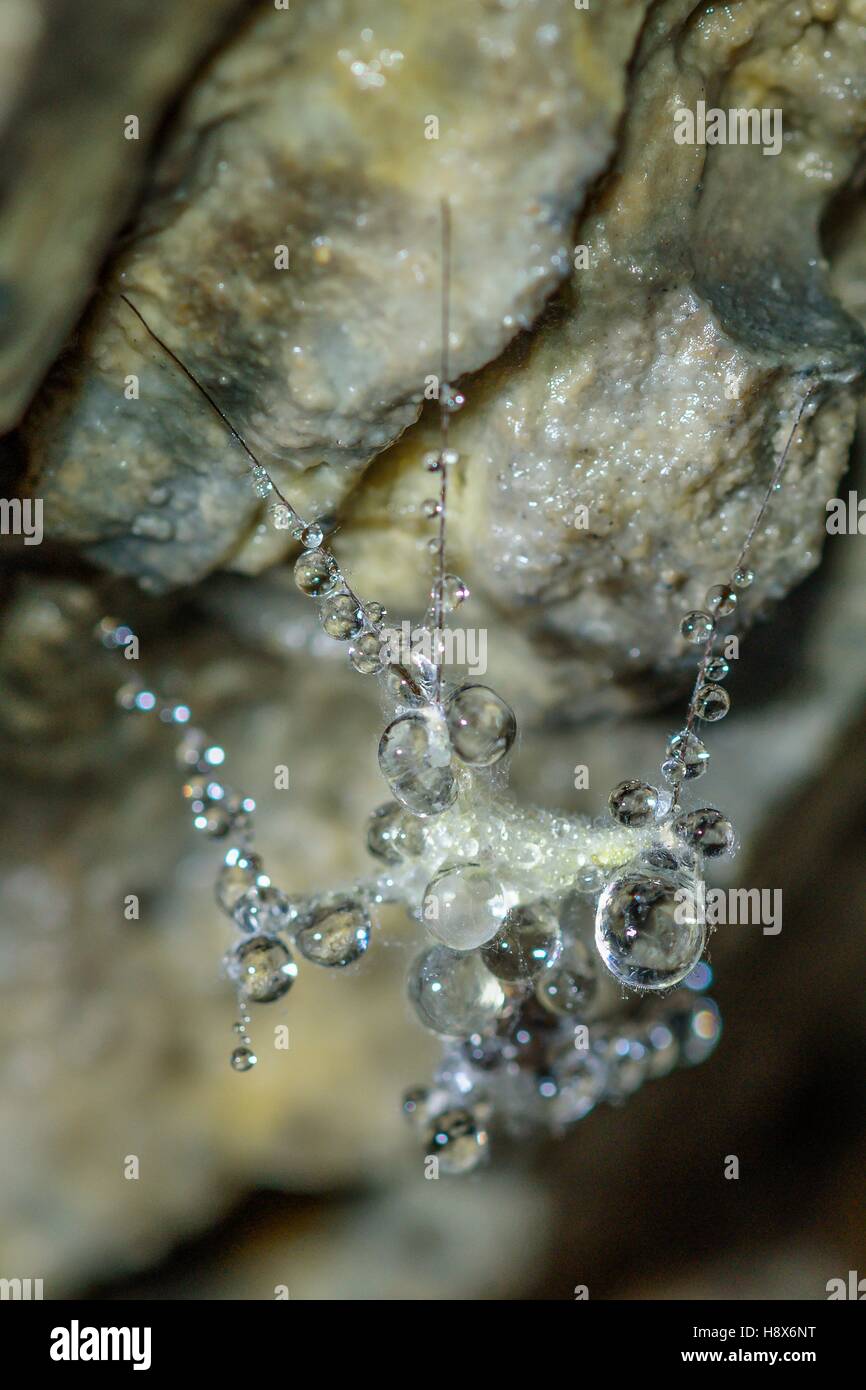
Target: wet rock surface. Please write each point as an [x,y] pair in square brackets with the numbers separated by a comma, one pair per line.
[290,251]
[611,460]
[70,77]
[611,465]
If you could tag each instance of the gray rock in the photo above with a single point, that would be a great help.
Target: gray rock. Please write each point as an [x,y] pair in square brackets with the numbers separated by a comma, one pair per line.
[309,133]
[70,75]
[661,389]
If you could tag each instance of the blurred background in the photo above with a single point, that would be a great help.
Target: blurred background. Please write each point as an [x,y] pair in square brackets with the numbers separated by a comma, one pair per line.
[303,1175]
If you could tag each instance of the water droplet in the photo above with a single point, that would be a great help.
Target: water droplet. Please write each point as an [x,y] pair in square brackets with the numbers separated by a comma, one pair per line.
[264,909]
[580,1081]
[528,942]
[402,686]
[197,790]
[190,748]
[647,928]
[453,993]
[241,809]
[625,1059]
[393,834]
[716,669]
[743,578]
[687,748]
[263,969]
[236,877]
[315,573]
[214,812]
[262,484]
[420,659]
[456,1140]
[365,654]
[482,726]
[311,536]
[113,634]
[175,712]
[721,600]
[712,702]
[589,879]
[341,617]
[375,612]
[463,906]
[569,987]
[335,931]
[454,592]
[697,1030]
[243,1059]
[706,829]
[415,758]
[697,627]
[633,803]
[127,695]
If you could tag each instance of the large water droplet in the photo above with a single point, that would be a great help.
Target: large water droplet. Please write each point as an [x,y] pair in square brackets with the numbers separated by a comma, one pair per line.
[415,758]
[647,927]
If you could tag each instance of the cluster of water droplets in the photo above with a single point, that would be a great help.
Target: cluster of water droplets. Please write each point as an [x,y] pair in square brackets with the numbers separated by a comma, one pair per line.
[532,1071]
[535,922]
[332,930]
[538,923]
[562,958]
